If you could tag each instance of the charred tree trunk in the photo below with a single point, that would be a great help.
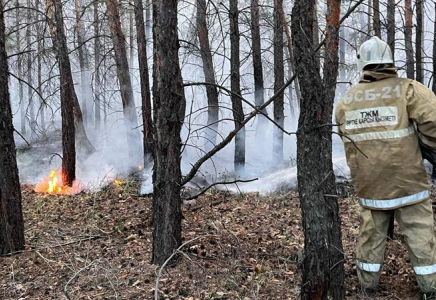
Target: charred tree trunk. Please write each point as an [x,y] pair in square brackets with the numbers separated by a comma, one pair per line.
[145,82]
[419,39]
[85,71]
[97,76]
[279,80]
[11,216]
[259,90]
[235,77]
[391,26]
[129,112]
[68,94]
[209,75]
[410,64]
[369,17]
[376,18]
[331,66]
[169,110]
[316,180]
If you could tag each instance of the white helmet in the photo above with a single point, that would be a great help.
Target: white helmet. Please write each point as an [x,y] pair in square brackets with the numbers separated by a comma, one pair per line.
[374,51]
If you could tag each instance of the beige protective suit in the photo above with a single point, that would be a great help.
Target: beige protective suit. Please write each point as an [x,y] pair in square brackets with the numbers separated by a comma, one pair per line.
[380,119]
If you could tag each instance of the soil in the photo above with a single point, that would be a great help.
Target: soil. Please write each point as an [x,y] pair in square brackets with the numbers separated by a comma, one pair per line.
[238,246]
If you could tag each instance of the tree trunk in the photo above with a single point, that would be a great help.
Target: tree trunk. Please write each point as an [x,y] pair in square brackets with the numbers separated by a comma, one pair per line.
[316,180]
[148,33]
[145,83]
[11,216]
[209,75]
[131,34]
[39,66]
[129,112]
[376,19]
[410,64]
[20,71]
[331,68]
[369,17]
[259,90]
[391,26]
[235,77]
[97,88]
[342,51]
[291,55]
[85,70]
[419,39]
[68,94]
[169,110]
[32,120]
[279,80]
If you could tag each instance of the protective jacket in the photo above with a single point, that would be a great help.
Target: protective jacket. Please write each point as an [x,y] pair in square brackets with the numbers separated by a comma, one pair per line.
[380,120]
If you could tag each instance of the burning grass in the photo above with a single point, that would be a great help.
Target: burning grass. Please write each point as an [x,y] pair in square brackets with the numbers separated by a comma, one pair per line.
[98,246]
[53,184]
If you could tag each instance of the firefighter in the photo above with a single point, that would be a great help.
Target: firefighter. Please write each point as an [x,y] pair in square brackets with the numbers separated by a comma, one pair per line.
[383,119]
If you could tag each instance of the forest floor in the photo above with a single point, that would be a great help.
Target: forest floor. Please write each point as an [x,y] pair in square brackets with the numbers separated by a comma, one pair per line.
[245,246]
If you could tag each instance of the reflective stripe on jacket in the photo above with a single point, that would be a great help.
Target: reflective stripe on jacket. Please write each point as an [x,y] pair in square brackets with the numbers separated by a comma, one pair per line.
[377,120]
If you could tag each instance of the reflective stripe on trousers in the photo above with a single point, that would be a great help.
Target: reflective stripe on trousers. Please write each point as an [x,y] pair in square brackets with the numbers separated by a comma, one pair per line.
[394,203]
[425,270]
[368,267]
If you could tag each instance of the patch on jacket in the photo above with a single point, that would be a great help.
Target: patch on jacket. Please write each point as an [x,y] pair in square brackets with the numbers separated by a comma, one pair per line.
[371,117]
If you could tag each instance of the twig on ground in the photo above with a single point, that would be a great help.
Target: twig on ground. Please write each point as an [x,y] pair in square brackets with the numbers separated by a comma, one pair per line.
[74,277]
[159,274]
[218,183]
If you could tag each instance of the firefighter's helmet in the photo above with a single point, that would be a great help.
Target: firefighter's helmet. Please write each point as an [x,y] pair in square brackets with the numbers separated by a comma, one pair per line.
[374,52]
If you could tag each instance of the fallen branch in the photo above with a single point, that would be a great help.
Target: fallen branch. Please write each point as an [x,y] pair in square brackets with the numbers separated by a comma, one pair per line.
[74,277]
[215,184]
[159,274]
[90,238]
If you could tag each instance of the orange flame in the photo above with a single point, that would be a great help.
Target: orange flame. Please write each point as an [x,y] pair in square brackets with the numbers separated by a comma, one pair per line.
[53,185]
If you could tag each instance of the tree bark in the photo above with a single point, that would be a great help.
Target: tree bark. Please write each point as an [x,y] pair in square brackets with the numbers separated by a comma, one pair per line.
[376,18]
[391,26]
[11,216]
[235,77]
[85,73]
[342,51]
[279,80]
[129,112]
[410,64]
[169,110]
[97,75]
[68,94]
[145,83]
[259,90]
[32,119]
[316,180]
[419,39]
[39,75]
[331,70]
[209,75]
[20,72]
[148,23]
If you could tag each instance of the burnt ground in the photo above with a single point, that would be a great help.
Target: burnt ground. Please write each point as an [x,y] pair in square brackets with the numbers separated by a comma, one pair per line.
[98,246]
